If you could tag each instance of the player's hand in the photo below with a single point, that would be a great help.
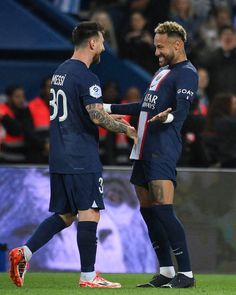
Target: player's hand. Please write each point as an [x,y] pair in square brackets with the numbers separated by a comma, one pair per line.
[132,133]
[120,118]
[161,117]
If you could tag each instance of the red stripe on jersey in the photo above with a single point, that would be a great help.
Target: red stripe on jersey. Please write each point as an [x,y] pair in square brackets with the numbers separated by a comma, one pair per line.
[161,81]
[157,79]
[143,139]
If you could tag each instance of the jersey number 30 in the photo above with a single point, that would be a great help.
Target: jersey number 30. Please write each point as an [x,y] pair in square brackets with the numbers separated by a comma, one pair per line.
[54,103]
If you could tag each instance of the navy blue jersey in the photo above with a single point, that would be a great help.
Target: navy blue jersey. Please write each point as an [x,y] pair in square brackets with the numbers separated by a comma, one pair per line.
[73,136]
[172,86]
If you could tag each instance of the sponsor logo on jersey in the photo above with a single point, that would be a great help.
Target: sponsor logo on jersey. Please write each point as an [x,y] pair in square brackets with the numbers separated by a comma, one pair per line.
[185,91]
[150,101]
[95,91]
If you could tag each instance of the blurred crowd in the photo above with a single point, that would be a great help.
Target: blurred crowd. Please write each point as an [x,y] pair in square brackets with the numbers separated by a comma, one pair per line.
[209,134]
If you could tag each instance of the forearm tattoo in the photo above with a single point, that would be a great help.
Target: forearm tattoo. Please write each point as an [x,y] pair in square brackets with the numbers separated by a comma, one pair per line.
[100,117]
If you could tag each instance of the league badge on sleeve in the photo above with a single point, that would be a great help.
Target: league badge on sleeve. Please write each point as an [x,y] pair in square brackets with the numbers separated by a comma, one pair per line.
[95,91]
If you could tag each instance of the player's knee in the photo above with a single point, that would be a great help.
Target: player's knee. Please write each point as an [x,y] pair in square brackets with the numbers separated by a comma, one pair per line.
[89,215]
[158,202]
[68,218]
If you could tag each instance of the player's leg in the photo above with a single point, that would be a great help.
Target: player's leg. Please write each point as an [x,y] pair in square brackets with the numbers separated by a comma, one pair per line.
[159,240]
[162,193]
[87,242]
[156,231]
[19,257]
[89,200]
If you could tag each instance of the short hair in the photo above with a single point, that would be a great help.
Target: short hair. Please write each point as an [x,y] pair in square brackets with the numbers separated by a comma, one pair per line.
[172,29]
[12,88]
[44,81]
[84,31]
[226,28]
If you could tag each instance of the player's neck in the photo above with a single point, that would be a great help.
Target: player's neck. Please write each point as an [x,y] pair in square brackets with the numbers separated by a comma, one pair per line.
[178,59]
[83,57]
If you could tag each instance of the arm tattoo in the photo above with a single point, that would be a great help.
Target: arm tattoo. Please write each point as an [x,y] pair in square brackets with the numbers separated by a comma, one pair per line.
[101,118]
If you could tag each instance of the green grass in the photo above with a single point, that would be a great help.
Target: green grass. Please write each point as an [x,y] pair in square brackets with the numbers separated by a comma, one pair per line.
[66,283]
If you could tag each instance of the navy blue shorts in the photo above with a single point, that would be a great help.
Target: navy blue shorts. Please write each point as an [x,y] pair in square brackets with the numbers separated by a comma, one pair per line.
[73,192]
[144,171]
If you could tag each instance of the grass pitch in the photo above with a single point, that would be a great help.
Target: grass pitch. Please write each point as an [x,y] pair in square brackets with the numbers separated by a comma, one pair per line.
[66,284]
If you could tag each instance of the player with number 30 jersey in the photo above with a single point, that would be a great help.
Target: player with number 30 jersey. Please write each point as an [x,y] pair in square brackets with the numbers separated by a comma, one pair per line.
[73,134]
[75,169]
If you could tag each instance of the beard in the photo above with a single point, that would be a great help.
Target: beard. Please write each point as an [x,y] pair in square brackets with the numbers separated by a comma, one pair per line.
[165,60]
[96,58]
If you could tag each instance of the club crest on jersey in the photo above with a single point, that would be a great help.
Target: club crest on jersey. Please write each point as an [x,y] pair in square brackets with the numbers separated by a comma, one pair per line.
[95,91]
[157,79]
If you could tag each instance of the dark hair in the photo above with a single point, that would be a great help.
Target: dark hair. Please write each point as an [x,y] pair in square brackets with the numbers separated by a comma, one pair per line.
[84,31]
[44,81]
[12,88]
[226,28]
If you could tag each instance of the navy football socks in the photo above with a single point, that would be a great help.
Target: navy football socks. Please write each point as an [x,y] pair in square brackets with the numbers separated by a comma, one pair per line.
[87,244]
[158,236]
[46,230]
[176,235]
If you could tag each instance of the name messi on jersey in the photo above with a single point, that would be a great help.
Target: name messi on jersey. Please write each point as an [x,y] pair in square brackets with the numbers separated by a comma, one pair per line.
[150,101]
[58,80]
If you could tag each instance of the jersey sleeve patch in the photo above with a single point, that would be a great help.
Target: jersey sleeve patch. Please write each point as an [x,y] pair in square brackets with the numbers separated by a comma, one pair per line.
[95,91]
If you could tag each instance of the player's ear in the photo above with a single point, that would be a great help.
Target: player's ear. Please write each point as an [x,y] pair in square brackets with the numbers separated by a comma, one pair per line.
[177,44]
[91,43]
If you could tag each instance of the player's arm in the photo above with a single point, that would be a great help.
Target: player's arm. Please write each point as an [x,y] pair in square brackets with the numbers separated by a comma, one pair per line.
[100,117]
[179,114]
[186,86]
[132,109]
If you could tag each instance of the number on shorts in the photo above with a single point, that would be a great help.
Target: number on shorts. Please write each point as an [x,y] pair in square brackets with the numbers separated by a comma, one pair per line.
[100,180]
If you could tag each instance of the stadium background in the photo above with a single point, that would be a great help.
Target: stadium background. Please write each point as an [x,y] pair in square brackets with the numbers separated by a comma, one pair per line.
[34,39]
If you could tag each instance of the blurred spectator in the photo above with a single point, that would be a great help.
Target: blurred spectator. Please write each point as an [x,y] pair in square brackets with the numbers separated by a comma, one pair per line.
[221,131]
[20,138]
[181,11]
[202,8]
[210,29]
[107,139]
[194,153]
[115,9]
[110,92]
[132,94]
[155,11]
[202,100]
[123,144]
[137,43]
[221,64]
[104,20]
[39,109]
[12,141]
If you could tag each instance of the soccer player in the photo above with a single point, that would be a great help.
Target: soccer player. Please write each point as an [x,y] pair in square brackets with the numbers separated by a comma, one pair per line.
[158,149]
[76,108]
